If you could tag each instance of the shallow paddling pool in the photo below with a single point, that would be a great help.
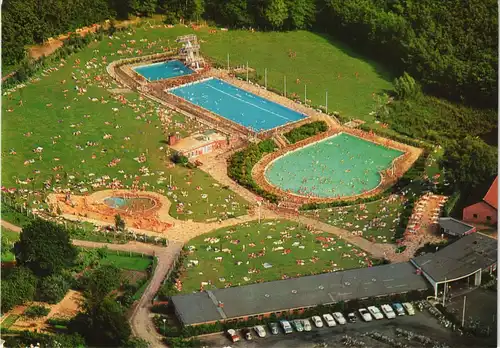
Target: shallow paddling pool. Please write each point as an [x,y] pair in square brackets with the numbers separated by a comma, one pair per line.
[338,166]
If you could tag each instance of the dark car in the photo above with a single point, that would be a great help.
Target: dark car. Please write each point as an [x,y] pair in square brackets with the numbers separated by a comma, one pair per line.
[351,317]
[274,328]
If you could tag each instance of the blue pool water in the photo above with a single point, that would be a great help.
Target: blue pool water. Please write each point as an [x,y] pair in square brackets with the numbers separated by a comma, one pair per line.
[163,70]
[237,105]
[115,202]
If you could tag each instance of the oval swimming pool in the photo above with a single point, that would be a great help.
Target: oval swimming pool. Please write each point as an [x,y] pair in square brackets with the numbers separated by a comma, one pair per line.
[163,70]
[338,166]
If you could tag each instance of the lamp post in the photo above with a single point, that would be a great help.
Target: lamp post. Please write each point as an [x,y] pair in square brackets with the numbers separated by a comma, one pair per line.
[463,312]
[228,62]
[164,321]
[247,71]
[284,85]
[265,78]
[305,94]
[326,101]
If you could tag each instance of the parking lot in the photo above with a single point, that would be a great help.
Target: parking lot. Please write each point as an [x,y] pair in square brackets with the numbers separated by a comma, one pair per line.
[422,323]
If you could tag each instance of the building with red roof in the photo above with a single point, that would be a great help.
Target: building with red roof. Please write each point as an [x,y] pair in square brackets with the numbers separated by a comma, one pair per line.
[485,211]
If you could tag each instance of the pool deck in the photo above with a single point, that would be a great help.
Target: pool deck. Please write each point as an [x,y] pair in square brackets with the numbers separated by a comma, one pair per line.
[401,164]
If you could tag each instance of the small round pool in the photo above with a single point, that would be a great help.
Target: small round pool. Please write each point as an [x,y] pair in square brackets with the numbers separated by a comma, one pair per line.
[130,203]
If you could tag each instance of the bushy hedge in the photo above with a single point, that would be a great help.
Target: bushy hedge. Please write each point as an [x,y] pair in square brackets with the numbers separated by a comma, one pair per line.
[36,311]
[450,203]
[306,131]
[241,163]
[397,137]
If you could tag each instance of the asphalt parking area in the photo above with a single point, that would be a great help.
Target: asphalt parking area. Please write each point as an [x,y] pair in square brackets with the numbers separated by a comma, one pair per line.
[421,323]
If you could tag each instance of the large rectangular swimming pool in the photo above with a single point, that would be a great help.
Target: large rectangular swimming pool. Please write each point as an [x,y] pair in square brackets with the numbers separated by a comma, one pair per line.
[163,70]
[237,105]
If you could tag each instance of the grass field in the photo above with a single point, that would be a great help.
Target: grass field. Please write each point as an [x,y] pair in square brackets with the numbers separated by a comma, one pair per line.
[291,249]
[377,220]
[10,320]
[8,239]
[57,117]
[124,261]
[61,120]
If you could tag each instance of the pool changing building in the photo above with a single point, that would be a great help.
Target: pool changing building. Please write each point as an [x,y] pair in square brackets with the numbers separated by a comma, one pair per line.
[469,256]
[283,296]
[198,143]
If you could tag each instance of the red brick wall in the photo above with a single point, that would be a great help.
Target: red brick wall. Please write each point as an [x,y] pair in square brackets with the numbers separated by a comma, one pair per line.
[482,210]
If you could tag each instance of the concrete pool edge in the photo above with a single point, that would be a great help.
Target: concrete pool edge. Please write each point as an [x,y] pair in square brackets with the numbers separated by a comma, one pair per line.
[402,163]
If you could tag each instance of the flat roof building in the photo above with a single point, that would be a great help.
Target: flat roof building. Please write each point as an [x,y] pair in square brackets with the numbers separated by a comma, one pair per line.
[296,293]
[455,227]
[199,143]
[466,257]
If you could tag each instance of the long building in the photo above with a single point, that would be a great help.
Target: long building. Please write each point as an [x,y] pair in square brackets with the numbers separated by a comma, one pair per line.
[263,299]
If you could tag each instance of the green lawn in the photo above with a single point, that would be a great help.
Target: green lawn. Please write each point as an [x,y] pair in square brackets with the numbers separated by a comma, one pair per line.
[9,321]
[124,261]
[238,245]
[8,239]
[55,128]
[377,220]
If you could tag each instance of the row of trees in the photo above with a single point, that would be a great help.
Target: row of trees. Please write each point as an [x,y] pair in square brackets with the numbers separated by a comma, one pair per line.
[449,47]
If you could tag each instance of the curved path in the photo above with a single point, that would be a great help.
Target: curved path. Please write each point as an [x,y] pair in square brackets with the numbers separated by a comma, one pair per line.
[142,325]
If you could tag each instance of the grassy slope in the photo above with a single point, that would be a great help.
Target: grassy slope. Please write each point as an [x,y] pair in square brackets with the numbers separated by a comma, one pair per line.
[320,62]
[265,236]
[12,237]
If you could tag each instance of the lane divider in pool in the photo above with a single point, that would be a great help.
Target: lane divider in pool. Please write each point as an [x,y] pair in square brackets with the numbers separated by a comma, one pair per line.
[252,104]
[189,84]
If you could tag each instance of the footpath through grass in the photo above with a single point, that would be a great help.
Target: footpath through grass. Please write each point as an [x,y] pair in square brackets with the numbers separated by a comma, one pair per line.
[273,250]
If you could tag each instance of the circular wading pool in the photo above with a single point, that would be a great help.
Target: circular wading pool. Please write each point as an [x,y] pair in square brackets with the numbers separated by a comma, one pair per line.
[130,204]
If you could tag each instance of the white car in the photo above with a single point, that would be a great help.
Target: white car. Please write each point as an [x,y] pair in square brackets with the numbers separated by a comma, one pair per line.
[409,308]
[233,335]
[389,313]
[365,314]
[329,320]
[339,317]
[307,325]
[375,312]
[317,321]
[261,332]
[285,324]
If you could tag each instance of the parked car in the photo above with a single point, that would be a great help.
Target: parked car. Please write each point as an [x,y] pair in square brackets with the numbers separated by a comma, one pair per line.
[248,335]
[398,308]
[317,321]
[233,335]
[285,324]
[307,324]
[365,314]
[375,312]
[329,320]
[339,317]
[298,325]
[352,317]
[274,328]
[409,308]
[261,332]
[388,311]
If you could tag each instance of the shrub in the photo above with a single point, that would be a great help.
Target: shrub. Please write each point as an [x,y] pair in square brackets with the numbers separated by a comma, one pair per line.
[36,311]
[53,288]
[306,131]
[241,163]
[178,158]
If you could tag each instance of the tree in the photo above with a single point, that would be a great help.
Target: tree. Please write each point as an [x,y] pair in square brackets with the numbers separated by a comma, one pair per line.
[18,288]
[276,13]
[406,87]
[45,248]
[470,161]
[144,7]
[53,288]
[107,326]
[119,223]
[98,284]
[302,13]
